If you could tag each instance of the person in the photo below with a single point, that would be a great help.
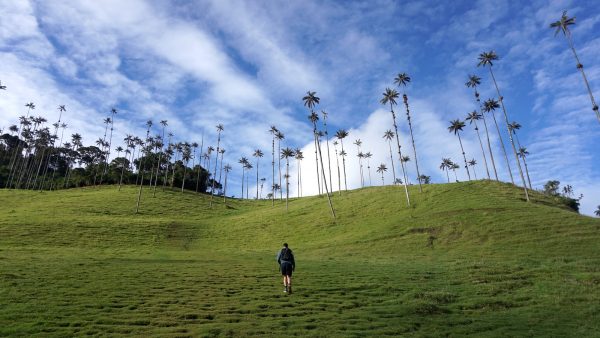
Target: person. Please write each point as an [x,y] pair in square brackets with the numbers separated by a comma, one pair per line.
[287,265]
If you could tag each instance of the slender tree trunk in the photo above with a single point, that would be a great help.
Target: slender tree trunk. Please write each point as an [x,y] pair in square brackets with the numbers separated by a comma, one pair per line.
[447,175]
[344,165]
[527,171]
[413,140]
[273,171]
[487,170]
[392,161]
[279,166]
[455,177]
[585,80]
[212,190]
[503,148]
[183,178]
[475,173]
[317,158]
[400,155]
[382,180]
[257,178]
[121,179]
[287,184]
[510,137]
[464,156]
[225,190]
[328,156]
[243,182]
[337,161]
[324,181]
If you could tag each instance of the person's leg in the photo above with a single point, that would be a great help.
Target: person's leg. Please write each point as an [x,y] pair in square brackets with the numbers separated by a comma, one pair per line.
[289,283]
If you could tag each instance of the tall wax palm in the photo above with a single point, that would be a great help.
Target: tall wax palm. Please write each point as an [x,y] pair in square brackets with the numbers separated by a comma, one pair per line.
[141,168]
[103,145]
[473,82]
[490,106]
[360,156]
[446,165]
[169,155]
[61,109]
[454,167]
[299,157]
[382,169]
[164,124]
[473,163]
[287,153]
[212,190]
[113,112]
[309,101]
[390,96]
[472,117]
[313,117]
[368,156]
[563,25]
[456,126]
[258,154]
[279,136]
[273,131]
[337,160]
[327,140]
[222,152]
[186,155]
[341,135]
[523,153]
[513,127]
[227,168]
[243,161]
[200,163]
[403,79]
[487,58]
[262,182]
[23,122]
[209,152]
[405,159]
[389,135]
[248,166]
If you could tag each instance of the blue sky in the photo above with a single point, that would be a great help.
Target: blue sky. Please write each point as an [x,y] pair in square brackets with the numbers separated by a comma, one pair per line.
[248,64]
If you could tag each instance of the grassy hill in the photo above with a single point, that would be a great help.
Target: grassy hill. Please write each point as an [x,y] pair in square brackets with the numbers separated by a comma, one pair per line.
[468,258]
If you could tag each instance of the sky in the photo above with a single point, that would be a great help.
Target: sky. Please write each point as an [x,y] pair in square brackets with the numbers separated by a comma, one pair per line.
[247,65]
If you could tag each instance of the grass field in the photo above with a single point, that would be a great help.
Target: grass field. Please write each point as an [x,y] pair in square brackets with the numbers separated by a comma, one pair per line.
[468,258]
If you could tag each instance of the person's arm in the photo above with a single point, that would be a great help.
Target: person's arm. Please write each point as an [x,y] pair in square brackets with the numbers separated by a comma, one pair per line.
[293,261]
[279,257]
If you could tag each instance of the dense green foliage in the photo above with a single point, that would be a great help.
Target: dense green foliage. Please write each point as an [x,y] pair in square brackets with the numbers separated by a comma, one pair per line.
[468,258]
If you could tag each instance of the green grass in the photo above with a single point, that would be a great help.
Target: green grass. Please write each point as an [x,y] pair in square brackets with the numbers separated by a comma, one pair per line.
[465,259]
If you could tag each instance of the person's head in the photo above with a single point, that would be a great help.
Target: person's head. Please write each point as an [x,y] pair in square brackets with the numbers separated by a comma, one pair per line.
[285,245]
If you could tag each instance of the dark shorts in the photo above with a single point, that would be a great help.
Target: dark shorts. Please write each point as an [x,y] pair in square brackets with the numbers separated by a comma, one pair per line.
[286,268]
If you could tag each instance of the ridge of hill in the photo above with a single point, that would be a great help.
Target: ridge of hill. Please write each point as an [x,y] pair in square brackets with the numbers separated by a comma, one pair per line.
[464,258]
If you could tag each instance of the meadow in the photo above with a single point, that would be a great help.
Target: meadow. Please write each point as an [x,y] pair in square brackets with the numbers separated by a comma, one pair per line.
[469,258]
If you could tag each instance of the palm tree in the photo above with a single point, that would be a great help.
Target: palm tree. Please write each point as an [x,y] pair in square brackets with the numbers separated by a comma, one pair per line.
[472,117]
[258,154]
[243,161]
[490,107]
[523,153]
[337,160]
[360,156]
[327,140]
[473,82]
[424,179]
[209,151]
[299,157]
[390,96]
[341,135]
[368,156]
[164,124]
[313,117]
[382,169]
[262,182]
[487,58]
[248,166]
[200,162]
[563,25]
[186,155]
[405,159]
[389,135]
[222,152]
[227,169]
[309,101]
[513,127]
[472,163]
[141,168]
[446,165]
[113,112]
[279,136]
[212,190]
[403,79]
[454,167]
[273,132]
[456,126]
[597,212]
[287,153]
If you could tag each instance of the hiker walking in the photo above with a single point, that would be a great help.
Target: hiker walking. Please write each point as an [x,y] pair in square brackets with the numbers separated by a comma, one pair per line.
[287,265]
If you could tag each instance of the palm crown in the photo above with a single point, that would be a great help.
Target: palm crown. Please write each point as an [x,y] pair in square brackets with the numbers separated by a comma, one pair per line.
[402,79]
[389,96]
[456,126]
[487,58]
[473,82]
[310,100]
[490,105]
[473,116]
[563,24]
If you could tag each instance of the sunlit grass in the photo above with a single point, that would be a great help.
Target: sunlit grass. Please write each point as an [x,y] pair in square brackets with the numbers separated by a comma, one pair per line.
[468,258]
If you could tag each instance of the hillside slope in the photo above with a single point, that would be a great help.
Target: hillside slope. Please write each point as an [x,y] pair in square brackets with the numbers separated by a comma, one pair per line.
[464,258]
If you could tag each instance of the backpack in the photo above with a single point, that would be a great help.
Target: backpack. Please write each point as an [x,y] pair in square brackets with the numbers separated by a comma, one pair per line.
[286,255]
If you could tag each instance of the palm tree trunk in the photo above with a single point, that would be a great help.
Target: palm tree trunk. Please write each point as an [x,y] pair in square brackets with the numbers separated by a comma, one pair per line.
[400,155]
[287,183]
[503,148]
[464,156]
[510,137]
[447,175]
[273,170]
[455,177]
[382,181]
[225,189]
[257,178]
[183,178]
[328,156]
[324,181]
[527,171]
[344,165]
[212,190]
[243,170]
[337,160]
[317,158]
[487,170]
[490,147]
[392,161]
[585,80]
[413,140]
[279,167]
